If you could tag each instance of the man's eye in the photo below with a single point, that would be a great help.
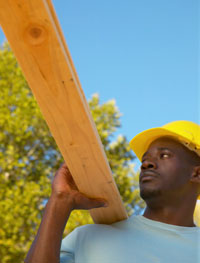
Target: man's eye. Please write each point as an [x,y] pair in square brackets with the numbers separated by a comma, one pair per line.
[164,155]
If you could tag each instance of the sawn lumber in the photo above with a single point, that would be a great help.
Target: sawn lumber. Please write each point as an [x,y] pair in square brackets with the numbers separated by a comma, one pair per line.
[35,36]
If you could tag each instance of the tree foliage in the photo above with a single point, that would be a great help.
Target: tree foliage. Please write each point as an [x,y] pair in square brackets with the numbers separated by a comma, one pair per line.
[29,158]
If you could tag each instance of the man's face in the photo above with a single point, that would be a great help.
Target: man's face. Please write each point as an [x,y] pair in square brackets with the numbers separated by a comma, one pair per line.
[165,170]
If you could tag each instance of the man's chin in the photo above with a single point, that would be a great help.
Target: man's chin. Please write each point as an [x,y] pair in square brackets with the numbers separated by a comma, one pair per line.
[147,193]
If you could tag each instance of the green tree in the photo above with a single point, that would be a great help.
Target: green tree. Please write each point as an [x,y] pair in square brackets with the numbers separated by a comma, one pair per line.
[29,158]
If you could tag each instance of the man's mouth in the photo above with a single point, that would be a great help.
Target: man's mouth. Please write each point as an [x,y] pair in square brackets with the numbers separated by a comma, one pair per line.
[147,175]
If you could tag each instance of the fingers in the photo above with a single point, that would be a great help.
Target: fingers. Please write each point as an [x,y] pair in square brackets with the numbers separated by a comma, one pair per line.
[63,166]
[90,203]
[81,201]
[95,203]
[64,170]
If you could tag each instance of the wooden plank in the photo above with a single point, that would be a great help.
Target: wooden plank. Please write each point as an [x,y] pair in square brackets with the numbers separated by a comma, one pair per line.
[35,37]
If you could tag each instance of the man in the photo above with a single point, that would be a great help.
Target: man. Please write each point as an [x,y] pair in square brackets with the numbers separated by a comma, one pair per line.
[170,186]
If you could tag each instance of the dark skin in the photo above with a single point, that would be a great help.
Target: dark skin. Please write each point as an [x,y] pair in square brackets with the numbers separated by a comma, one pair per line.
[65,198]
[170,182]
[177,179]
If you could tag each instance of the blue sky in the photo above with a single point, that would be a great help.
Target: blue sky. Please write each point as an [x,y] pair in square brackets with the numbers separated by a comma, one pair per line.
[144,54]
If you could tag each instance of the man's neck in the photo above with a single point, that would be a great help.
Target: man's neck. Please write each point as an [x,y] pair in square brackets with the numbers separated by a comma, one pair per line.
[180,214]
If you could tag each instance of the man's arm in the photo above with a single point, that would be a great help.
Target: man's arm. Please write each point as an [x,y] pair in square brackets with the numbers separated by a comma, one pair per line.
[65,197]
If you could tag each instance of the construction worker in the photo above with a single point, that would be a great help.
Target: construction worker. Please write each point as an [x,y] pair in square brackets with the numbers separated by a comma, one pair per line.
[170,186]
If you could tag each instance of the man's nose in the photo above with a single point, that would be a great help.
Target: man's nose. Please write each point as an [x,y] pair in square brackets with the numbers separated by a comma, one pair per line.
[148,164]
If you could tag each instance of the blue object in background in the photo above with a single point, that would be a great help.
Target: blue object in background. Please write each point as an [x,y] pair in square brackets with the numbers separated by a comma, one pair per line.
[144,54]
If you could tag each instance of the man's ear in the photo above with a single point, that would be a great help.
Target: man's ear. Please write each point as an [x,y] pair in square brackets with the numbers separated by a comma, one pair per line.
[195,176]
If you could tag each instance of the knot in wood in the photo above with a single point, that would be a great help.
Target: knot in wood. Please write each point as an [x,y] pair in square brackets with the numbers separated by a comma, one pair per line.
[35,34]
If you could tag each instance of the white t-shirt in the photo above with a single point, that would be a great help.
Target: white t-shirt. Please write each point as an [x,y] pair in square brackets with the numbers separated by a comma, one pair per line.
[135,240]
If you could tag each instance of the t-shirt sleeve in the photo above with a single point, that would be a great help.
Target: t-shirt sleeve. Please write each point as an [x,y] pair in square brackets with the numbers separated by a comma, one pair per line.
[68,246]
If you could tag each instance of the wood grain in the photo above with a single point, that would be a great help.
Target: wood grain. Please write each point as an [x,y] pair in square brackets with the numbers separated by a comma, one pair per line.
[36,39]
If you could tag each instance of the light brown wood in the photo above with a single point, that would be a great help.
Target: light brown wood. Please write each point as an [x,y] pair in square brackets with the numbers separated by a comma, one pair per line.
[35,36]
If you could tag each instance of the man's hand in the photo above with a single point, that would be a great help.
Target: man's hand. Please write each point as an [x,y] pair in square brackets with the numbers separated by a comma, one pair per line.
[65,197]
[64,187]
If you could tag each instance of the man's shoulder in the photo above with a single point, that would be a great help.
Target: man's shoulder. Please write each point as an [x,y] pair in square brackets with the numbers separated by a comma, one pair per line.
[136,222]
[124,224]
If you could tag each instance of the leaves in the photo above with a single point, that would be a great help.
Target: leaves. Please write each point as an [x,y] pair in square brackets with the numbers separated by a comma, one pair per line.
[29,158]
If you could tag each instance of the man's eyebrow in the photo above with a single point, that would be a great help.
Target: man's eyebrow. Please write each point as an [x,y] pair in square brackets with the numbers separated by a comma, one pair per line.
[165,148]
[160,149]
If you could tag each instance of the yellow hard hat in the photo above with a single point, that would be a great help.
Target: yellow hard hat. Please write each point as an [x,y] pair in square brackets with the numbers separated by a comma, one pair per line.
[186,132]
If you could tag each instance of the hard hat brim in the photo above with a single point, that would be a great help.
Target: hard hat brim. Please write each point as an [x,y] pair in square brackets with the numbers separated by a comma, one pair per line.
[140,143]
